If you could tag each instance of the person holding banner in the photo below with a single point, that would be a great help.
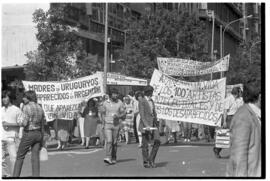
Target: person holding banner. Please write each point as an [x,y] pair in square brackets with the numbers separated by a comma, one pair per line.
[245,152]
[112,111]
[187,131]
[128,122]
[231,105]
[33,123]
[90,115]
[171,129]
[11,115]
[148,126]
[81,121]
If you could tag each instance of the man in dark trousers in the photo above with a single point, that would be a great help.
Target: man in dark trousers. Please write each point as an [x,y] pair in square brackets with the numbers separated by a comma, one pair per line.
[148,121]
[132,97]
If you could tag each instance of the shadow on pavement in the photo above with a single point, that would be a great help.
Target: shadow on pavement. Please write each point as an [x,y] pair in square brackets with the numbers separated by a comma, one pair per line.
[162,164]
[190,144]
[126,160]
[225,157]
[69,148]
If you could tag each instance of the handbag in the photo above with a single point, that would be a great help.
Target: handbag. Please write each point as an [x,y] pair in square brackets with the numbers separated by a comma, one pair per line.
[43,154]
[222,138]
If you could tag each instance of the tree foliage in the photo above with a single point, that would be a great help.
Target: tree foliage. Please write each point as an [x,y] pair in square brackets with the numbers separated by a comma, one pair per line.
[163,33]
[245,66]
[60,54]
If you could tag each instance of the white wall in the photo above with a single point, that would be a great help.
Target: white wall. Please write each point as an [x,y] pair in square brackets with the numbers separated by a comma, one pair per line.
[18,32]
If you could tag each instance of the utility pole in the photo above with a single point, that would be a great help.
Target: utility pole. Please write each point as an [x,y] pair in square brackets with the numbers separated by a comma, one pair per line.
[220,42]
[105,49]
[245,22]
[213,33]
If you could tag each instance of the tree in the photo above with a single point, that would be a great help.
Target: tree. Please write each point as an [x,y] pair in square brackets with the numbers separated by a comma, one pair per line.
[246,64]
[166,34]
[60,54]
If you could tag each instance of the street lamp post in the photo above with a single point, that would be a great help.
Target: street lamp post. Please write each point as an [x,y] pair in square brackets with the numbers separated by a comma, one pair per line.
[105,49]
[212,15]
[251,49]
[228,26]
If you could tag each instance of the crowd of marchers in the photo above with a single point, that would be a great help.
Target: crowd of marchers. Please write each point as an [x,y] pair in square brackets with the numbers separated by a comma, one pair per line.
[106,121]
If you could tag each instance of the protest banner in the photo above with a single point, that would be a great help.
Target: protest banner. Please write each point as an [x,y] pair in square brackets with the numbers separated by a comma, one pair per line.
[118,79]
[185,67]
[194,102]
[66,96]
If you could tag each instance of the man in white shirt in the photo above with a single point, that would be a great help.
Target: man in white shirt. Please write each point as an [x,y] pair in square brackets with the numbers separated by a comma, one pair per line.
[136,121]
[11,115]
[232,103]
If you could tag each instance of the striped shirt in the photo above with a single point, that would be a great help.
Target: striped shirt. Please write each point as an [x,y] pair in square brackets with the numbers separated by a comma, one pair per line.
[33,116]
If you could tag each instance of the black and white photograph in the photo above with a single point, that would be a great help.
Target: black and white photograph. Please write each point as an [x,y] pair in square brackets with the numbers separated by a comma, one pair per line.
[132,90]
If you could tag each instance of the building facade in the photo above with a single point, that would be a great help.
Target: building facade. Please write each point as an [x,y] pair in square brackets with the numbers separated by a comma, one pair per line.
[91,17]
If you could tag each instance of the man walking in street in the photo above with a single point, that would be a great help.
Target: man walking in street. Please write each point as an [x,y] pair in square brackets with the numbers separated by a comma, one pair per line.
[10,130]
[112,112]
[246,137]
[232,103]
[33,124]
[148,126]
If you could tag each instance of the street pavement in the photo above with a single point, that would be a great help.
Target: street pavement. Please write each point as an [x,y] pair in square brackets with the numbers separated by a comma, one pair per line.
[195,159]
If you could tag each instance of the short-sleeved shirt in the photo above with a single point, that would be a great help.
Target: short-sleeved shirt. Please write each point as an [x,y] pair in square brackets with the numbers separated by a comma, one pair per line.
[129,112]
[11,114]
[232,104]
[33,116]
[110,108]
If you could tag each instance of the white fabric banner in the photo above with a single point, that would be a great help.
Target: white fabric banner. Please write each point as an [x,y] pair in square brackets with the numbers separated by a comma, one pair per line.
[185,67]
[66,96]
[194,102]
[118,79]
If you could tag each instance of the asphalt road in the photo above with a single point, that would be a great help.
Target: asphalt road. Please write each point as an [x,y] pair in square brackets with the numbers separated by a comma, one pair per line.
[178,160]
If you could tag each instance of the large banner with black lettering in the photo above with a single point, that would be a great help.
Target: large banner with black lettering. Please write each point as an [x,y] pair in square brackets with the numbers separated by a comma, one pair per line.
[185,67]
[194,102]
[66,96]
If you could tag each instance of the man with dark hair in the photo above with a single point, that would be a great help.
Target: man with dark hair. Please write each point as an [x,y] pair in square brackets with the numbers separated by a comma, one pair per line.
[33,124]
[134,102]
[148,121]
[112,111]
[11,116]
[245,151]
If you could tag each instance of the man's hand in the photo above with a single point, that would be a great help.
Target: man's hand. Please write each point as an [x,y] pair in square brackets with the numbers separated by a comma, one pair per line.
[224,125]
[5,125]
